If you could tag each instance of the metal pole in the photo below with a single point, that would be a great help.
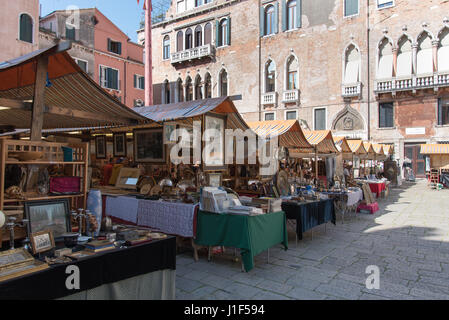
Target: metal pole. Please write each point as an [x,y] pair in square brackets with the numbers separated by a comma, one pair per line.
[148,57]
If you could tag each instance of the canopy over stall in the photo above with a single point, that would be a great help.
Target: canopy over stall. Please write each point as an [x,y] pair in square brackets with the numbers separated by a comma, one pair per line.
[289,132]
[370,153]
[47,89]
[189,111]
[343,146]
[357,147]
[438,154]
[388,149]
[378,149]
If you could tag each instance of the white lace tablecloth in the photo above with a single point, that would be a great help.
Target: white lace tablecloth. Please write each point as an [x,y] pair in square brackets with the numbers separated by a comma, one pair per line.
[168,217]
[354,197]
[122,207]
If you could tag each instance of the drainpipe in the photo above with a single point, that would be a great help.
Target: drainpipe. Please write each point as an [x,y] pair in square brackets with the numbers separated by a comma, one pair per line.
[148,57]
[368,70]
[260,53]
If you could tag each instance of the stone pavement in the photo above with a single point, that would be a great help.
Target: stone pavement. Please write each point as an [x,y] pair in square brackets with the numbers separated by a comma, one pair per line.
[408,239]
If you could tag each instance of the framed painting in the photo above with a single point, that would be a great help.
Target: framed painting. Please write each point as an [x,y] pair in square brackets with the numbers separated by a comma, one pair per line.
[52,215]
[214,145]
[42,241]
[169,128]
[119,144]
[100,147]
[149,145]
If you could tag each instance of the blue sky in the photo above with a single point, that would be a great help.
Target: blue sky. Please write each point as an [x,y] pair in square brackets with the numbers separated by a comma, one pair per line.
[126,14]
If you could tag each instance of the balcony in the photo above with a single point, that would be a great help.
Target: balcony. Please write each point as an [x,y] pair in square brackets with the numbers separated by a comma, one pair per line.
[290,96]
[413,83]
[351,90]
[191,54]
[269,98]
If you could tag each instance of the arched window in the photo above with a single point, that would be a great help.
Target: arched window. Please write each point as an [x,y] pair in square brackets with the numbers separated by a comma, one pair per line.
[443,50]
[208,86]
[222,32]
[385,65]
[198,92]
[26,28]
[270,76]
[223,83]
[198,36]
[189,89]
[404,62]
[352,65]
[291,15]
[292,73]
[179,41]
[207,33]
[189,39]
[269,20]
[424,56]
[179,91]
[166,46]
[166,91]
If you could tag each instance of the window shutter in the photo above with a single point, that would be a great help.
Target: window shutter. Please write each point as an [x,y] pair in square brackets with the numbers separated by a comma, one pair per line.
[142,82]
[109,44]
[389,113]
[276,17]
[440,112]
[284,15]
[262,21]
[298,13]
[217,33]
[228,32]
[119,48]
[135,81]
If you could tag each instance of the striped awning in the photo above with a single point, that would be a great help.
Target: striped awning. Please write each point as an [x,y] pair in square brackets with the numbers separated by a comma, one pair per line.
[322,140]
[369,147]
[357,146]
[72,98]
[289,132]
[388,149]
[342,144]
[435,149]
[378,148]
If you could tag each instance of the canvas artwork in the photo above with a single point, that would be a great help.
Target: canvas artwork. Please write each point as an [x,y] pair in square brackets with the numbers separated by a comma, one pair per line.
[48,215]
[100,147]
[119,144]
[149,145]
[215,155]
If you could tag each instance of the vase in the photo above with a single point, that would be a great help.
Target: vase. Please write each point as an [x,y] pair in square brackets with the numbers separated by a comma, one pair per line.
[94,205]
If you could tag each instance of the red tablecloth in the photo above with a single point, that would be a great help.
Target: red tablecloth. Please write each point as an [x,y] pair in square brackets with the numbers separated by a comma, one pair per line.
[377,188]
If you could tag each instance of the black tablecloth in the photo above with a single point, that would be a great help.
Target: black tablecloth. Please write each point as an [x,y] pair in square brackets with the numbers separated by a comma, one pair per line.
[103,268]
[309,215]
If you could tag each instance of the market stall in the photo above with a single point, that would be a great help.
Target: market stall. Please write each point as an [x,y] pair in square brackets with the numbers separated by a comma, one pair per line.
[49,213]
[437,163]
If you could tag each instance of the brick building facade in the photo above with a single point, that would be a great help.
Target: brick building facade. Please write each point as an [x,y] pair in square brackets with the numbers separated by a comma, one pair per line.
[375,70]
[101,49]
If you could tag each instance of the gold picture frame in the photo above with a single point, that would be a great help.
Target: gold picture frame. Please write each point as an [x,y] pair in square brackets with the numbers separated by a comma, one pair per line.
[42,241]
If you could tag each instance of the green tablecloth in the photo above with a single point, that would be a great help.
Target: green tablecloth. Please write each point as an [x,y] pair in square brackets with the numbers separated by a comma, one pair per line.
[252,234]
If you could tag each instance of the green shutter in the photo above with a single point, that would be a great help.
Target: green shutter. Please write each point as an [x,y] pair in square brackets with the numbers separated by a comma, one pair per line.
[276,17]
[142,82]
[351,7]
[109,45]
[298,13]
[262,21]
[119,48]
[217,33]
[284,15]
[135,81]
[228,33]
[440,113]
[26,28]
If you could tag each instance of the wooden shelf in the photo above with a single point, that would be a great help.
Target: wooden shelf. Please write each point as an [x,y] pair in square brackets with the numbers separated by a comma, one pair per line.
[32,198]
[44,162]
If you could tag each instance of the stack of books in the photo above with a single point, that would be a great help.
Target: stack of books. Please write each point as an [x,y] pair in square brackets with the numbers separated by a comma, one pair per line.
[268,204]
[99,246]
[245,210]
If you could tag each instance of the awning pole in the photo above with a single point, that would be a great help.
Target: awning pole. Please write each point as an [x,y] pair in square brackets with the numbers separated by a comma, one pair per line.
[37,117]
[316,165]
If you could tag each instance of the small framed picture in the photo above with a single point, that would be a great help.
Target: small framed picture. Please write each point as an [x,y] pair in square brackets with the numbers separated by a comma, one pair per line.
[119,144]
[42,241]
[149,146]
[169,128]
[100,147]
[214,179]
